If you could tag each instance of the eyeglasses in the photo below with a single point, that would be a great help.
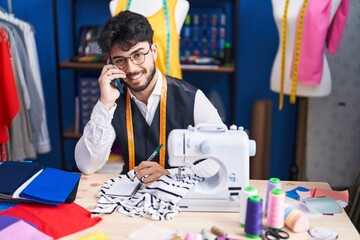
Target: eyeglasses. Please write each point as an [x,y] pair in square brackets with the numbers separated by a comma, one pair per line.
[137,58]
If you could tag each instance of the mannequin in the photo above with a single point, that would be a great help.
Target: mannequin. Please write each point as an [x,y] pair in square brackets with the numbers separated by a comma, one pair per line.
[304,90]
[181,9]
[176,15]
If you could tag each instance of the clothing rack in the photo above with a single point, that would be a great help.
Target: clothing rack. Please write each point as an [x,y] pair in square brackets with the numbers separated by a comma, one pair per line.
[10,6]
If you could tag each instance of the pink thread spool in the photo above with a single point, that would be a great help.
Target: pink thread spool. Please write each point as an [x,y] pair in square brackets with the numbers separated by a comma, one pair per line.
[271,184]
[275,214]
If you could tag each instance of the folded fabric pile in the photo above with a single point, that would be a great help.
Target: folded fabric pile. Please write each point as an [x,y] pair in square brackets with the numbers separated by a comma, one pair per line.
[31,182]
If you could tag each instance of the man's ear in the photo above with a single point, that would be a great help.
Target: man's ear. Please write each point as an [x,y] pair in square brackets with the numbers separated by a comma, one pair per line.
[154,50]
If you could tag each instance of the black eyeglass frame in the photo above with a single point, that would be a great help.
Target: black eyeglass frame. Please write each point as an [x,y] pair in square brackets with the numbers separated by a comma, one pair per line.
[131,58]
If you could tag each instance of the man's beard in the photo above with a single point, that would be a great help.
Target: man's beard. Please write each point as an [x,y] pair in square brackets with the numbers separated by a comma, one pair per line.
[146,84]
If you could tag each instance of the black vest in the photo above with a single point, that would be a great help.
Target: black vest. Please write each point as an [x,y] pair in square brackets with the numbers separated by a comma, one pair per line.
[179,115]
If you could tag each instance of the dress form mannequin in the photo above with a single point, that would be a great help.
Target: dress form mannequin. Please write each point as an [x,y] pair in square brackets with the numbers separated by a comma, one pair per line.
[167,18]
[181,9]
[304,90]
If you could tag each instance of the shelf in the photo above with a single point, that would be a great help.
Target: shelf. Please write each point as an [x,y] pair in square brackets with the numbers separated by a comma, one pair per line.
[71,133]
[185,68]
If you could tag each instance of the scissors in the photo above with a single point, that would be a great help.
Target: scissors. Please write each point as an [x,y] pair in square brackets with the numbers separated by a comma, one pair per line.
[274,234]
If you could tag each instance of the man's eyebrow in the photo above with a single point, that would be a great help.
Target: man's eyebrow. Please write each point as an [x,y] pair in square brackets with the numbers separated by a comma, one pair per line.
[135,51]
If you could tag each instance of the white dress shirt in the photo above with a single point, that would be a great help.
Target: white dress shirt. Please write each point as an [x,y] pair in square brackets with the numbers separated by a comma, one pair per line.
[93,148]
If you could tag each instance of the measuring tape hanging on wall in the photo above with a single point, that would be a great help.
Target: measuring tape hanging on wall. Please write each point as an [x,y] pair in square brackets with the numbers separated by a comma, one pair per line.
[297,54]
[168,36]
[130,128]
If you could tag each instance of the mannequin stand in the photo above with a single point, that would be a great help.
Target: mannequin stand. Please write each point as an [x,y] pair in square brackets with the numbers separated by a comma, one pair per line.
[297,165]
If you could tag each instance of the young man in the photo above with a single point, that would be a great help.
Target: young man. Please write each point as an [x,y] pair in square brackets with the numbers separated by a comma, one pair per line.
[152,105]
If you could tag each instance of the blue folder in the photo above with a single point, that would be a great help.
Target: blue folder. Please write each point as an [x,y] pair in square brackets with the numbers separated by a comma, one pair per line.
[52,186]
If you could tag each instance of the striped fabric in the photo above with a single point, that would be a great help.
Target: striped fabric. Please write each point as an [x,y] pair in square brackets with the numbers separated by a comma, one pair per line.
[157,201]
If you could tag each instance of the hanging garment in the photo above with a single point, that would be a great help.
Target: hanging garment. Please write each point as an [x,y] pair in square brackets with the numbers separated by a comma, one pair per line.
[159,22]
[20,145]
[32,70]
[9,102]
[317,32]
[28,35]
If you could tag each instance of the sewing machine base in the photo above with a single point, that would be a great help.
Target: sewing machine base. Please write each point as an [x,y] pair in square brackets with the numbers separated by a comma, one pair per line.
[209,205]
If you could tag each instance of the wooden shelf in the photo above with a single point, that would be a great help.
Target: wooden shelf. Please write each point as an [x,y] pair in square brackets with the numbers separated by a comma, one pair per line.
[72,133]
[185,68]
[81,65]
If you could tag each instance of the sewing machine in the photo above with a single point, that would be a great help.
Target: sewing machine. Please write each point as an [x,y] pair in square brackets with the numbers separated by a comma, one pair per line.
[230,148]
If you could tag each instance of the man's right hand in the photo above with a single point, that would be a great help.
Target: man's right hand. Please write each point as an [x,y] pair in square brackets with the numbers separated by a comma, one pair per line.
[108,93]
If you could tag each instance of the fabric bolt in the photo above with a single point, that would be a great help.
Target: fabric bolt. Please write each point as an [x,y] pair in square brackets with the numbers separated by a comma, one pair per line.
[157,201]
[55,221]
[9,101]
[158,23]
[318,31]
[22,230]
[52,186]
[13,174]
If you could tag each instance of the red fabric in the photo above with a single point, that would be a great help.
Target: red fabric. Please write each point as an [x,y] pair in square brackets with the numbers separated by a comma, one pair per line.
[9,102]
[56,221]
[3,155]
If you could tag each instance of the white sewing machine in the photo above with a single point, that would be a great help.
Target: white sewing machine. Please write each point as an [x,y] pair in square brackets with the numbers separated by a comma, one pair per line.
[230,148]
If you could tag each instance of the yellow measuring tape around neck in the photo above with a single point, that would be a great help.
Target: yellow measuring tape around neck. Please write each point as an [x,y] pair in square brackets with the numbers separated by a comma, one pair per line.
[130,129]
[297,54]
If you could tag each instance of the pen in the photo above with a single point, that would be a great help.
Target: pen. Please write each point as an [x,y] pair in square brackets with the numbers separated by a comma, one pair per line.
[150,158]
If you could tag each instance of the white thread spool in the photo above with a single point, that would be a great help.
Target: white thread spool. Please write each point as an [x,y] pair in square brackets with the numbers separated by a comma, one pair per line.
[245,193]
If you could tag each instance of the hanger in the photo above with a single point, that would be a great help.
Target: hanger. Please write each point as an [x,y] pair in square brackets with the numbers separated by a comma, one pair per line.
[10,7]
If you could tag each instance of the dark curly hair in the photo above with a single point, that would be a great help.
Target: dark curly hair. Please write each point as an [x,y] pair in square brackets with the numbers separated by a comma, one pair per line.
[124,30]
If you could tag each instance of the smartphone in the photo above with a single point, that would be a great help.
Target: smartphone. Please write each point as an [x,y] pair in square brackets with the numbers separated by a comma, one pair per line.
[116,83]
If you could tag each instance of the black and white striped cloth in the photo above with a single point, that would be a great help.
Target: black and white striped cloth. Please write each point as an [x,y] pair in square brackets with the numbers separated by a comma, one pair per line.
[157,201]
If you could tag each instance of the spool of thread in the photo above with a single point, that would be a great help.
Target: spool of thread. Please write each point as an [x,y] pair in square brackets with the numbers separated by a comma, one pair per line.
[253,221]
[245,193]
[272,183]
[218,232]
[275,215]
[295,219]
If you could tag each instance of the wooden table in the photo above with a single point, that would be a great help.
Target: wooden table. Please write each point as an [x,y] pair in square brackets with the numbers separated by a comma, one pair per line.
[118,226]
